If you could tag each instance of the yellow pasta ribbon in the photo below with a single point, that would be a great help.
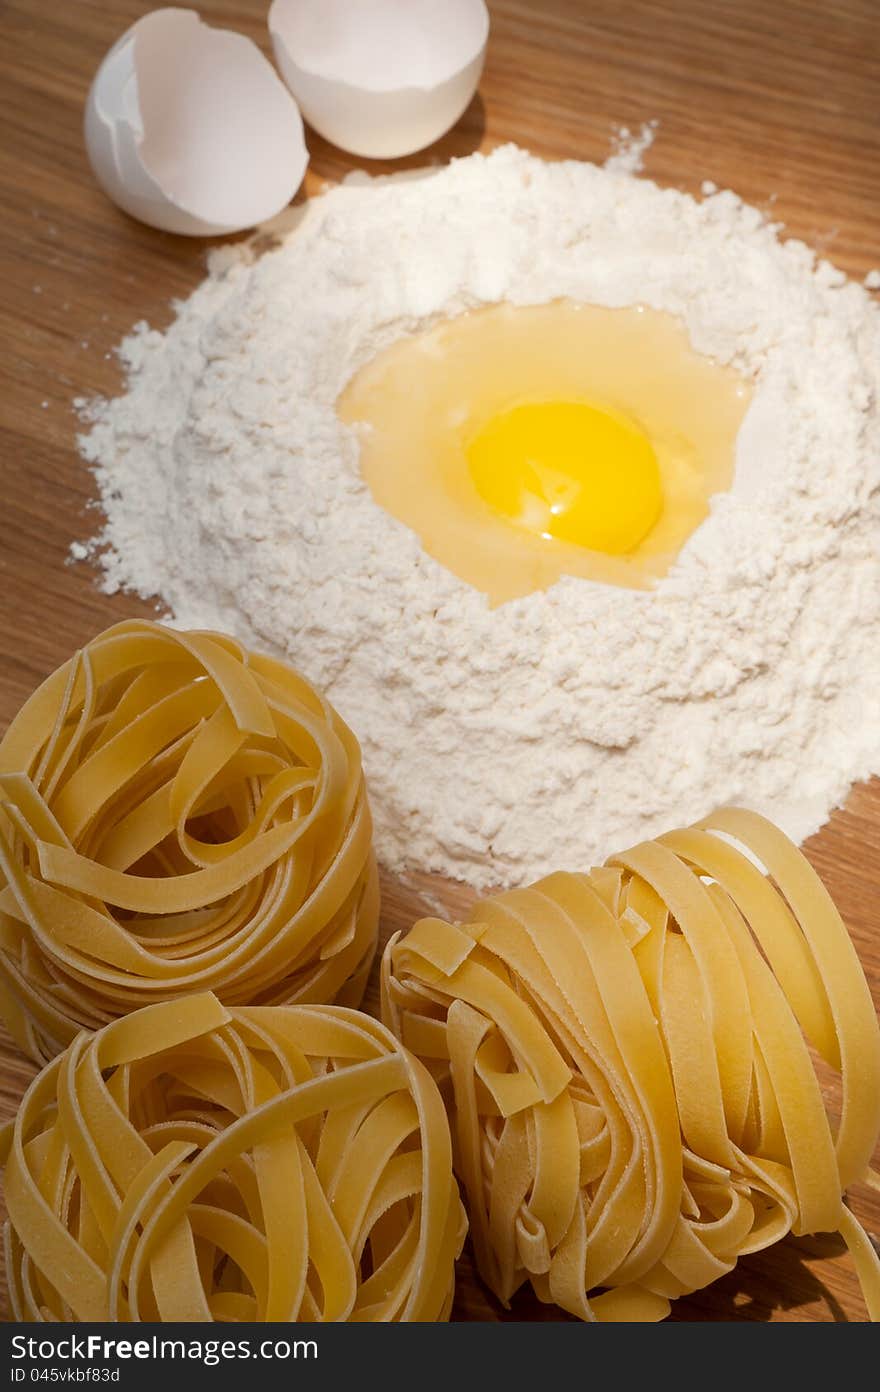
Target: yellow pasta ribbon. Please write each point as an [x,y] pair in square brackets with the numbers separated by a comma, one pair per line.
[193,1162]
[178,814]
[625,1055]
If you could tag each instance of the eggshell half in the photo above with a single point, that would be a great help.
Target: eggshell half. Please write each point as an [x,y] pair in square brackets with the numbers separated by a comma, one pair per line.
[189,128]
[380,78]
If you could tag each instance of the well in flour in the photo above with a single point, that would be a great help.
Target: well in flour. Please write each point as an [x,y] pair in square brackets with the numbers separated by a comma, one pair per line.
[504,743]
[525,442]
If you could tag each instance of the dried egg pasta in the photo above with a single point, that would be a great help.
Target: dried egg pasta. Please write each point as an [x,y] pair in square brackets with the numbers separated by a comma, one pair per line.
[625,1057]
[190,1162]
[178,814]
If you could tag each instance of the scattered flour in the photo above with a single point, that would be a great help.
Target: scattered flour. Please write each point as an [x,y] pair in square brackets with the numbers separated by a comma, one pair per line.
[629,150]
[500,745]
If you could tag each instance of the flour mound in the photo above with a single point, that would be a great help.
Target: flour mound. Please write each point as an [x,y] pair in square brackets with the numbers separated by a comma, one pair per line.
[542,735]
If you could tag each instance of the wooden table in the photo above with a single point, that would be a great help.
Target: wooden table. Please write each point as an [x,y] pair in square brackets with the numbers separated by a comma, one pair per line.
[778,101]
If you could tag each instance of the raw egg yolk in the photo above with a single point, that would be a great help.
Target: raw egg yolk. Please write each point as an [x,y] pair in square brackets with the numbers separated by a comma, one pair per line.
[569,470]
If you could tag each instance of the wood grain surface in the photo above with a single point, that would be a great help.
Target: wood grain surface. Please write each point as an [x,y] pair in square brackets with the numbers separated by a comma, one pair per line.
[776,99]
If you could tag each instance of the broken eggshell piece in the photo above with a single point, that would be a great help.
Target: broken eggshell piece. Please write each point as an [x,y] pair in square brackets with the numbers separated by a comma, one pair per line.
[382,78]
[189,128]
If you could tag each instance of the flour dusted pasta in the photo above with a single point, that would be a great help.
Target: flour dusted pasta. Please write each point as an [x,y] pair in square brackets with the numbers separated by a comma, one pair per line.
[178,814]
[625,1058]
[189,1162]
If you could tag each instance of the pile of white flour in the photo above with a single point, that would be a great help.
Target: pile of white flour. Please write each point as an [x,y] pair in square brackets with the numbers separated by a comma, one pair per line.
[560,727]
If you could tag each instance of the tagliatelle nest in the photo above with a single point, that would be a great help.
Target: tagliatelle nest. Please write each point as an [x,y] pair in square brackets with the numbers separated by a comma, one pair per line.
[624,1056]
[178,814]
[265,1163]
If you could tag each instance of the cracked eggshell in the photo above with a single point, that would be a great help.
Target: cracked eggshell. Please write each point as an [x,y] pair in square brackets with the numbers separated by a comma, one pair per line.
[380,78]
[189,128]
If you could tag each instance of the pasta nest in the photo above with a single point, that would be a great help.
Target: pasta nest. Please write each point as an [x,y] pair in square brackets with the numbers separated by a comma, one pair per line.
[178,814]
[625,1060]
[189,1162]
